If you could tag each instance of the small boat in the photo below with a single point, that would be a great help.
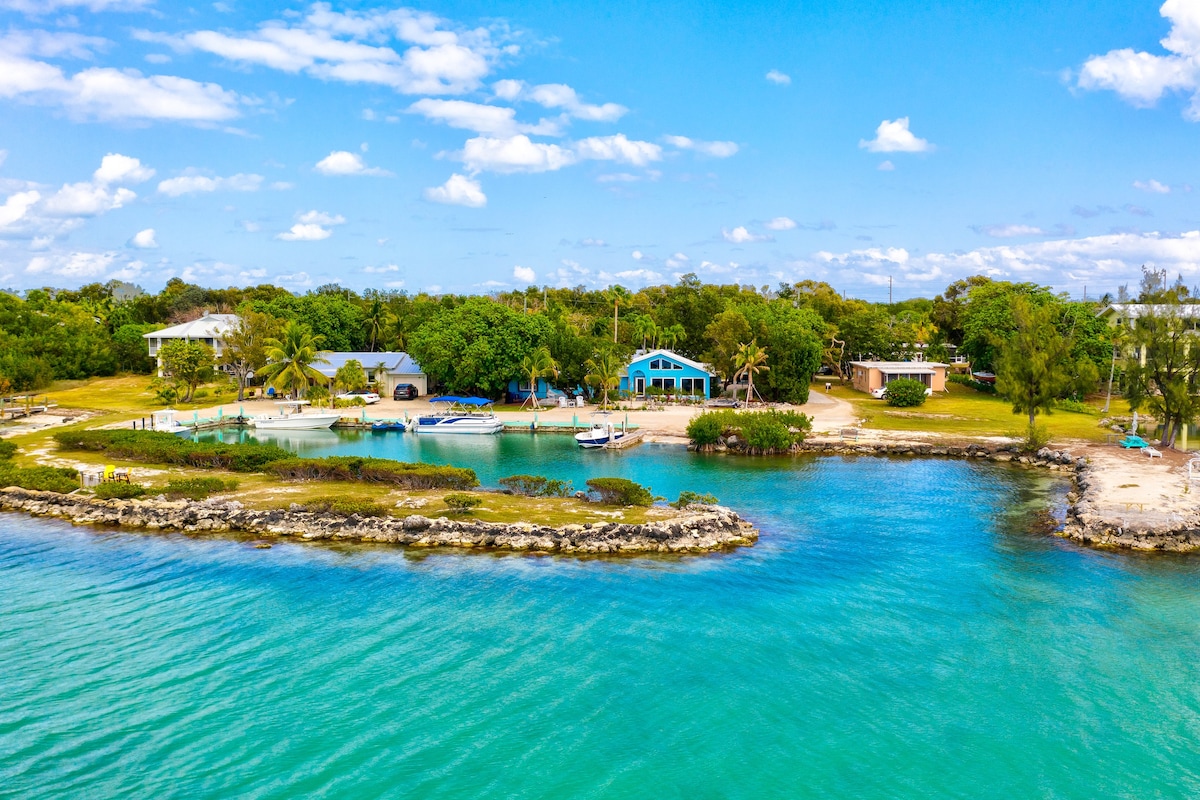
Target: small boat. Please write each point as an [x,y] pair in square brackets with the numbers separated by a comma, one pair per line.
[293,417]
[388,425]
[460,415]
[602,433]
[984,377]
[164,422]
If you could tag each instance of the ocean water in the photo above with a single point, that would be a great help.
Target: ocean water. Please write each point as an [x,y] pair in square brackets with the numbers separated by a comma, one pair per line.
[901,630]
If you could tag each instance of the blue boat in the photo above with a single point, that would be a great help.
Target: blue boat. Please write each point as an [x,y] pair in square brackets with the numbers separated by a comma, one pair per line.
[388,425]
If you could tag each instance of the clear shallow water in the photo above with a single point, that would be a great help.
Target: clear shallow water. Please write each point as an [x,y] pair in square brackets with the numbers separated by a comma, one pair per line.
[898,632]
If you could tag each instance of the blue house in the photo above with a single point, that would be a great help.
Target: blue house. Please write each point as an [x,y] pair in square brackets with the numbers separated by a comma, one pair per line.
[668,371]
[519,391]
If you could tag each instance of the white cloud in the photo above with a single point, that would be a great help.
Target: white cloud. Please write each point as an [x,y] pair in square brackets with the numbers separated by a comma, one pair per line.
[51,44]
[41,7]
[618,148]
[109,94]
[895,137]
[524,275]
[1152,186]
[458,190]
[116,168]
[78,266]
[480,118]
[778,78]
[85,200]
[558,95]
[144,240]
[196,184]
[301,232]
[352,47]
[343,162]
[638,255]
[17,206]
[781,224]
[1009,231]
[381,270]
[886,166]
[3,157]
[311,226]
[591,242]
[514,154]
[714,149]
[676,261]
[740,235]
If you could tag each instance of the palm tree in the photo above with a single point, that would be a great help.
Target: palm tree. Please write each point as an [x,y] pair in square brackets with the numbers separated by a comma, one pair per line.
[644,327]
[750,360]
[534,366]
[290,359]
[604,371]
[377,321]
[1117,334]
[672,336]
[617,293]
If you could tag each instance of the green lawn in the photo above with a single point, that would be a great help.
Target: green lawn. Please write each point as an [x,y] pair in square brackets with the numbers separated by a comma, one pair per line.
[966,412]
[129,392]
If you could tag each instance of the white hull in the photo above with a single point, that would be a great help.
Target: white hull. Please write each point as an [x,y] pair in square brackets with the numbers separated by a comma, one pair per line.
[597,438]
[296,422]
[458,425]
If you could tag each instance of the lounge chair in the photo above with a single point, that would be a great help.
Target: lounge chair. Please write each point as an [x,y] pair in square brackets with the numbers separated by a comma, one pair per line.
[109,472]
[1133,441]
[1151,452]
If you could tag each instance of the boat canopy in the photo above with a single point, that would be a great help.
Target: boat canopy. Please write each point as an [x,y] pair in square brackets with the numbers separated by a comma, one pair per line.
[463,401]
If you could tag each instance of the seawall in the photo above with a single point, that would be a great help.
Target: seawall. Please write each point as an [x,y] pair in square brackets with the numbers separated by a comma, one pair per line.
[700,529]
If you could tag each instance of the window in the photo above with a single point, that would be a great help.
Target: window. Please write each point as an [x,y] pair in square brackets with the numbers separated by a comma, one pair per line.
[692,385]
[677,366]
[656,364]
[663,383]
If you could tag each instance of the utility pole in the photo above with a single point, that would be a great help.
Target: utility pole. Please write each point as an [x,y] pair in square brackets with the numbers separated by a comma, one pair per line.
[889,290]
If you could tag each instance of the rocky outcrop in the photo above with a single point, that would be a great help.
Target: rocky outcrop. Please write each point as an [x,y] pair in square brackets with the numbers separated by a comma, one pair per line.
[698,529]
[1147,529]
[1046,458]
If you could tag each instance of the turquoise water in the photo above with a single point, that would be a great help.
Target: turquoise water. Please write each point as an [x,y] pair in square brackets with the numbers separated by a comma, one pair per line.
[899,631]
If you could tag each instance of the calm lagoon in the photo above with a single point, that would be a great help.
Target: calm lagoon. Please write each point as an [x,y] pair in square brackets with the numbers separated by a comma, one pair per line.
[899,631]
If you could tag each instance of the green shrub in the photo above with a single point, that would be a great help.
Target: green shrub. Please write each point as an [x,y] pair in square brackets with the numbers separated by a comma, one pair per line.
[348,402]
[42,479]
[536,486]
[1074,406]
[198,488]
[967,380]
[461,503]
[119,491]
[164,448]
[619,492]
[904,393]
[690,498]
[346,506]
[707,427]
[374,470]
[1036,437]
[7,450]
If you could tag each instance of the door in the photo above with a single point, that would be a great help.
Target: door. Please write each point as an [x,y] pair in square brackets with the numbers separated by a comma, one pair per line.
[639,385]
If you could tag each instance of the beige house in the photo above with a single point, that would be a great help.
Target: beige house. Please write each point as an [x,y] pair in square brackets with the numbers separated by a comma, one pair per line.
[868,376]
[210,329]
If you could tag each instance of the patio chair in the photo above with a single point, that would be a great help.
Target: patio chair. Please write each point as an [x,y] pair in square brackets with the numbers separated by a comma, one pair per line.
[1151,452]
[109,471]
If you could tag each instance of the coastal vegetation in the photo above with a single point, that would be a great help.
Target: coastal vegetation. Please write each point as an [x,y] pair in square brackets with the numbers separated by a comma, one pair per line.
[198,487]
[752,432]
[461,503]
[536,486]
[619,492]
[904,393]
[373,470]
[45,479]
[119,491]
[164,448]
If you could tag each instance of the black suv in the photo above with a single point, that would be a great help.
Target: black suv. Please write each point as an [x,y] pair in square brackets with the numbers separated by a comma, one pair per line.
[405,391]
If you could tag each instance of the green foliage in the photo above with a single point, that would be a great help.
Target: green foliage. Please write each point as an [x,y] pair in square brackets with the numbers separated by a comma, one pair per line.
[1168,383]
[693,498]
[129,348]
[967,380]
[461,503]
[42,479]
[7,450]
[331,316]
[245,349]
[344,402]
[988,318]
[904,393]
[346,506]
[477,346]
[536,486]
[1073,406]
[604,372]
[290,359]
[1034,366]
[763,431]
[1037,436]
[350,376]
[374,470]
[189,363]
[119,491]
[164,448]
[619,492]
[198,488]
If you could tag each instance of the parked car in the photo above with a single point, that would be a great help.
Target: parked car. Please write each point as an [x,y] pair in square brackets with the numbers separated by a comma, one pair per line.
[405,391]
[366,395]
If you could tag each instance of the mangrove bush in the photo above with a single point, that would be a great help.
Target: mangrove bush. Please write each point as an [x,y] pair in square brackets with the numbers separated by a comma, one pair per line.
[374,470]
[42,479]
[119,491]
[619,492]
[165,448]
[197,488]
[904,393]
[536,486]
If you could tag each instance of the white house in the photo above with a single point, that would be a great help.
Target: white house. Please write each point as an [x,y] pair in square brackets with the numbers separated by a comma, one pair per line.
[385,370]
[209,329]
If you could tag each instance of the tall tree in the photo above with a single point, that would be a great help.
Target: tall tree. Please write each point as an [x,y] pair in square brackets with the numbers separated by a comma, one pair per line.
[1034,365]
[245,349]
[376,322]
[751,360]
[290,358]
[350,376]
[1163,371]
[604,372]
[672,335]
[189,363]
[538,364]
[617,294]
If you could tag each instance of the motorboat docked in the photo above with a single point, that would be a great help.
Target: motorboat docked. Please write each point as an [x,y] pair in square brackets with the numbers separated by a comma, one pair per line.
[293,417]
[602,433]
[460,415]
[383,426]
[164,422]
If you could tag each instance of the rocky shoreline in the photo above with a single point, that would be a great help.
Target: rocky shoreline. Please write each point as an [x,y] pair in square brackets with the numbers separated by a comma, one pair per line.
[701,529]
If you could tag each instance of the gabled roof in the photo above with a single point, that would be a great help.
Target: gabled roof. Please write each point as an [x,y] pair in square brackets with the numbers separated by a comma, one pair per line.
[1135,310]
[660,353]
[916,367]
[395,363]
[210,326]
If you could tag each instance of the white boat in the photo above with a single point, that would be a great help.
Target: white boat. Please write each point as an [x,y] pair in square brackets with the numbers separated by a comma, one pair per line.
[293,417]
[164,422]
[459,415]
[602,433]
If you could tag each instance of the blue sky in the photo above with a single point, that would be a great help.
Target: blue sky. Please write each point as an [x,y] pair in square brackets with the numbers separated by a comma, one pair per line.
[463,146]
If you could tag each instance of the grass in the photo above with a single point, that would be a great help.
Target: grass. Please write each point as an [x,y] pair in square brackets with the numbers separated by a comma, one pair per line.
[124,392]
[965,412]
